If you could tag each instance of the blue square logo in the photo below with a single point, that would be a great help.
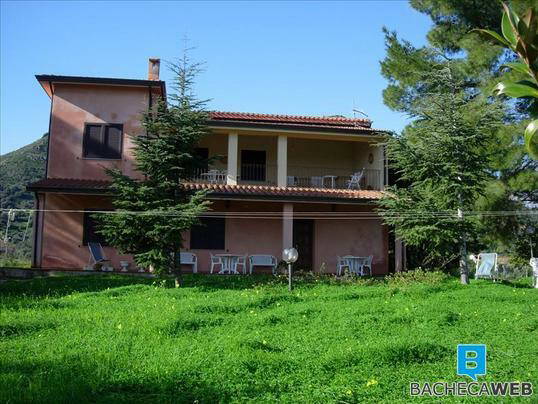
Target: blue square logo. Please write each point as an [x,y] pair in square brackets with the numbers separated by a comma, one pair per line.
[472,360]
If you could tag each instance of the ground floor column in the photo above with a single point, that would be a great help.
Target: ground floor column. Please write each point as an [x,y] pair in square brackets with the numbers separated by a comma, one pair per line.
[287,225]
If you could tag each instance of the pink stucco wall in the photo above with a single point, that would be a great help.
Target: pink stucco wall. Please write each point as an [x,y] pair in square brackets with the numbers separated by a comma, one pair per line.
[62,234]
[72,107]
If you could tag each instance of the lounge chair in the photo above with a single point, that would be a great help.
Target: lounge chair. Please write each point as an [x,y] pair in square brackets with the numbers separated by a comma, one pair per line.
[97,258]
[262,261]
[486,266]
[355,180]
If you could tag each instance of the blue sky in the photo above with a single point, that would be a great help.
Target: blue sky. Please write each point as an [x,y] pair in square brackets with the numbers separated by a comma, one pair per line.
[305,58]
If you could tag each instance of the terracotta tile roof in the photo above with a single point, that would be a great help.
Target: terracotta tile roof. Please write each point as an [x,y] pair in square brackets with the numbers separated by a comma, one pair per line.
[267,190]
[216,190]
[338,123]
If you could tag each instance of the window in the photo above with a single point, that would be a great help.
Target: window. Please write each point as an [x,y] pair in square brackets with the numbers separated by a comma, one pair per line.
[89,233]
[253,165]
[102,141]
[209,234]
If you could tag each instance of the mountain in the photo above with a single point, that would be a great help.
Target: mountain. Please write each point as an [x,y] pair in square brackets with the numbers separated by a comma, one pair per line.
[17,169]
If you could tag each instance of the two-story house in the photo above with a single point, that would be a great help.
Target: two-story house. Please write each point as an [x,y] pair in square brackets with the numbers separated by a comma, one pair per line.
[308,182]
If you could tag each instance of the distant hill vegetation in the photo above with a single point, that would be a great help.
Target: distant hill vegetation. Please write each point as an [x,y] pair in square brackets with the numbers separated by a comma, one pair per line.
[17,169]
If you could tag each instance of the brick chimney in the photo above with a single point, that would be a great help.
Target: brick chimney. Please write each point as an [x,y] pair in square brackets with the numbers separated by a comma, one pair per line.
[153,68]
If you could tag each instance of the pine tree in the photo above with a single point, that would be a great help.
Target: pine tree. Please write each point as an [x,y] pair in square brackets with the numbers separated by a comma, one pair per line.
[478,64]
[151,214]
[442,157]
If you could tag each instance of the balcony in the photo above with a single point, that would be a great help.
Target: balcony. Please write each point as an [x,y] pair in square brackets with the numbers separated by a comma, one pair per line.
[297,176]
[333,178]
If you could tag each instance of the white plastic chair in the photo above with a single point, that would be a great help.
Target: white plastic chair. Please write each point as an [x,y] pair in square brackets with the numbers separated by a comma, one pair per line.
[262,261]
[355,180]
[241,260]
[214,262]
[367,263]
[186,258]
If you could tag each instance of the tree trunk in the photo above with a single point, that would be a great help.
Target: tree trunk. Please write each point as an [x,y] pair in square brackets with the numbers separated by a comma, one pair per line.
[464,270]
[178,281]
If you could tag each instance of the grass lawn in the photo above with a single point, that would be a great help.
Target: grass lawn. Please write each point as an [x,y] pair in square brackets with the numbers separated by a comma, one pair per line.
[113,339]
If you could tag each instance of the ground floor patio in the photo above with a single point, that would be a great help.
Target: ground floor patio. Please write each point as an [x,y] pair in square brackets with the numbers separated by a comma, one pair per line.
[321,231]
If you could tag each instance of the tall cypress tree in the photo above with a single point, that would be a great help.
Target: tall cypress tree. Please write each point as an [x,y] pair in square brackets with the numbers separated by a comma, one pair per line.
[151,214]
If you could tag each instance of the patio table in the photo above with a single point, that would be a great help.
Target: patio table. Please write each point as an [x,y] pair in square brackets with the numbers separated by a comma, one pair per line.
[354,263]
[228,263]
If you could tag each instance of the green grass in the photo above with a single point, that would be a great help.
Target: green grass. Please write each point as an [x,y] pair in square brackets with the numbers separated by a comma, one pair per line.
[241,339]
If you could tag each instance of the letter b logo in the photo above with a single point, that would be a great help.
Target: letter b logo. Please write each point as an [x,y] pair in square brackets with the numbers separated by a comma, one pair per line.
[471,360]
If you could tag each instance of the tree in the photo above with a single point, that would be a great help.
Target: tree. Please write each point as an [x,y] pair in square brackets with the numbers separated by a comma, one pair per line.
[478,64]
[442,156]
[520,34]
[151,214]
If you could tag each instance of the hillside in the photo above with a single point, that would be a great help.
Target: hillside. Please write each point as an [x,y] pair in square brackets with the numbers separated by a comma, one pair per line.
[17,169]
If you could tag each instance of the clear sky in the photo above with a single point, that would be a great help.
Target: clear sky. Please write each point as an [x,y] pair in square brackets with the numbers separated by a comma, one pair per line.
[304,58]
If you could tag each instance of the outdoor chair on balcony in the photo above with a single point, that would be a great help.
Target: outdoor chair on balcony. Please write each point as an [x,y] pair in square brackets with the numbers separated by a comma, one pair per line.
[262,261]
[97,258]
[292,181]
[186,258]
[355,181]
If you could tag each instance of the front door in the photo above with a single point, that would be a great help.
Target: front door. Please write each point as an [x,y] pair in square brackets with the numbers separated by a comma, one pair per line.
[303,241]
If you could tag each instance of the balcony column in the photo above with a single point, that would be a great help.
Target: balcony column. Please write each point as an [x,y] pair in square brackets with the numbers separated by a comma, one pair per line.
[231,178]
[287,225]
[282,161]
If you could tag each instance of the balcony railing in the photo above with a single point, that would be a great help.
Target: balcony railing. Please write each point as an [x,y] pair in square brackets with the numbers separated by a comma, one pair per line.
[297,176]
[335,178]
[209,176]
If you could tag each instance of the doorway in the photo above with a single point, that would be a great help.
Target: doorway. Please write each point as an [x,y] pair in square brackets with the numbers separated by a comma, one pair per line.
[303,241]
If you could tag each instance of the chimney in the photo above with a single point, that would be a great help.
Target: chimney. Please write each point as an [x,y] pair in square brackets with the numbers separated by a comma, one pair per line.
[153,68]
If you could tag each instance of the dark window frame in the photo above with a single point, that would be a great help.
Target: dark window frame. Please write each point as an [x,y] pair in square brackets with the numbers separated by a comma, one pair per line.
[204,236]
[89,222]
[257,174]
[103,134]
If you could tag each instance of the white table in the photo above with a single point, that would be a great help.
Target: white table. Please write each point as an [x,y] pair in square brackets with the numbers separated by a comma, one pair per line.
[228,263]
[354,264]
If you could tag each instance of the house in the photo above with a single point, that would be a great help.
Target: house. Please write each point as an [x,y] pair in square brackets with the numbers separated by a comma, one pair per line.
[284,180]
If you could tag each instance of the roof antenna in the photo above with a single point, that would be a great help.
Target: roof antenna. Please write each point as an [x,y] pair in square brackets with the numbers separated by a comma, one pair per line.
[357,111]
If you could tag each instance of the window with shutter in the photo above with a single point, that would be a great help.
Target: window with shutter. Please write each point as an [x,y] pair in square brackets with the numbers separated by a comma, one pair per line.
[102,141]
[209,234]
